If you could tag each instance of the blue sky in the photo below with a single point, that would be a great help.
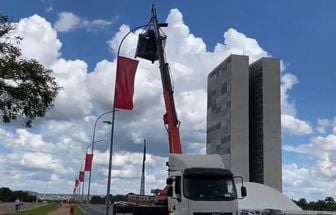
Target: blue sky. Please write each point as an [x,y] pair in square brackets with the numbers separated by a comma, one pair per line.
[300,33]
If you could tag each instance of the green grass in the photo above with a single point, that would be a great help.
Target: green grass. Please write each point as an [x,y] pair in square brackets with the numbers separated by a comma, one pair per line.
[78,211]
[43,210]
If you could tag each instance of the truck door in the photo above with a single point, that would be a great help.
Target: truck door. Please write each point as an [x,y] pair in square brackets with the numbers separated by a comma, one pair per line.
[176,202]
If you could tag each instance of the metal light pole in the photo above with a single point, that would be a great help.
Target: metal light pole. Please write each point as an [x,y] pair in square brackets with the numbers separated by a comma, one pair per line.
[79,186]
[152,23]
[92,148]
[87,148]
[112,129]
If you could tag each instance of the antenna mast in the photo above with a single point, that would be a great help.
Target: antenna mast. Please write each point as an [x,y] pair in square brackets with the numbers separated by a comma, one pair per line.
[142,186]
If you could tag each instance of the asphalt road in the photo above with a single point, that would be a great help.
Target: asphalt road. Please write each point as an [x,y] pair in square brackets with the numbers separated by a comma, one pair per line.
[94,209]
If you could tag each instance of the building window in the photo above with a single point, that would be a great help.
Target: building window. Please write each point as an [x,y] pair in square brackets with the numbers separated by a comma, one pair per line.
[224,88]
[225,139]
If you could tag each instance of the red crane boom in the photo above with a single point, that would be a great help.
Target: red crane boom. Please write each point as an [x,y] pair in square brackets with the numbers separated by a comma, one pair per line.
[150,47]
[170,118]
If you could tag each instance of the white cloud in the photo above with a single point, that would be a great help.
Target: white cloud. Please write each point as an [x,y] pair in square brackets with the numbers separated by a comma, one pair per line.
[192,108]
[316,147]
[68,21]
[39,160]
[49,9]
[68,127]
[102,80]
[325,125]
[289,121]
[287,82]
[128,45]
[96,24]
[73,100]
[298,183]
[320,129]
[321,167]
[62,137]
[39,40]
[238,43]
[292,175]
[295,126]
[185,42]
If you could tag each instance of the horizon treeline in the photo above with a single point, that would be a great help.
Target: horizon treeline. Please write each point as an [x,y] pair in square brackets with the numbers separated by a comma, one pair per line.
[7,195]
[328,204]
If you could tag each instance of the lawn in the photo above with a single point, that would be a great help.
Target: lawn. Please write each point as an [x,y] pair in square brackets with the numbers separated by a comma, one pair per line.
[78,211]
[44,210]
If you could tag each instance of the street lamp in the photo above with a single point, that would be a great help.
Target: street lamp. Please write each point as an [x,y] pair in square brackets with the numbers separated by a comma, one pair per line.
[87,148]
[92,148]
[112,128]
[147,48]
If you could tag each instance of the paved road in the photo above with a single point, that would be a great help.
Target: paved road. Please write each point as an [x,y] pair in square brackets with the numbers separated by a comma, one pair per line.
[94,209]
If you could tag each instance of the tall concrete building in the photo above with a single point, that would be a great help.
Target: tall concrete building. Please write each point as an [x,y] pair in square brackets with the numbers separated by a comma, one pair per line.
[265,123]
[228,112]
[243,118]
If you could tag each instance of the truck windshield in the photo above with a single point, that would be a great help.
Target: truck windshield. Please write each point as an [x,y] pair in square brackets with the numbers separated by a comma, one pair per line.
[210,188]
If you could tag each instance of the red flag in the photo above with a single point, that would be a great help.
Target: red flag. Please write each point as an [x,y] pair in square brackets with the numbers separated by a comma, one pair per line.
[88,162]
[81,176]
[124,88]
[76,183]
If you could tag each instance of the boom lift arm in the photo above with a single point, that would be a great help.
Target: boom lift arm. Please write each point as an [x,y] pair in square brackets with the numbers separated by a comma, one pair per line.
[153,50]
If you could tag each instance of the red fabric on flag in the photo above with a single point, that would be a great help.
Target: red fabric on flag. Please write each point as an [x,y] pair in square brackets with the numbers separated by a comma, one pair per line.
[88,162]
[81,176]
[76,183]
[124,87]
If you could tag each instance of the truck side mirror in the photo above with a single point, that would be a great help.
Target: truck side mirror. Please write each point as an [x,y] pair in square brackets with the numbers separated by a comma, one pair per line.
[170,191]
[169,181]
[243,191]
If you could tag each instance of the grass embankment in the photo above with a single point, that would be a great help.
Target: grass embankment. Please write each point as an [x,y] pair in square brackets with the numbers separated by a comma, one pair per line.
[44,210]
[78,211]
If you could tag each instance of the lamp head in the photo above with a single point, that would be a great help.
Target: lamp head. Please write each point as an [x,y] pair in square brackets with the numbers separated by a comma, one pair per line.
[107,122]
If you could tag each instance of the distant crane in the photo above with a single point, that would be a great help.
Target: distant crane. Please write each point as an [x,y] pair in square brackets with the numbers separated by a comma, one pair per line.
[142,186]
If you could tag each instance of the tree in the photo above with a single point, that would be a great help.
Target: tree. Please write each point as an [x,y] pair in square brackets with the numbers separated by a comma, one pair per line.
[329,200]
[6,194]
[27,89]
[302,203]
[97,200]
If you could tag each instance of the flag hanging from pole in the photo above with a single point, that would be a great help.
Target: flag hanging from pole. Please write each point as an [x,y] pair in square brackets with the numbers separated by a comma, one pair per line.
[81,176]
[76,183]
[124,87]
[88,162]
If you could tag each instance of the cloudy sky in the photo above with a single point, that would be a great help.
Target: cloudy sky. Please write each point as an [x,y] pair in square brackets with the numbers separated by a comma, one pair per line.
[78,41]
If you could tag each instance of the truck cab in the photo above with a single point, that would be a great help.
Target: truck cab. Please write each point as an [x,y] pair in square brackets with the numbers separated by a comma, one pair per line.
[200,185]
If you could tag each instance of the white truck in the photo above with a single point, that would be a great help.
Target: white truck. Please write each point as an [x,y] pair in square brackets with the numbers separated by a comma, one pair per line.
[200,185]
